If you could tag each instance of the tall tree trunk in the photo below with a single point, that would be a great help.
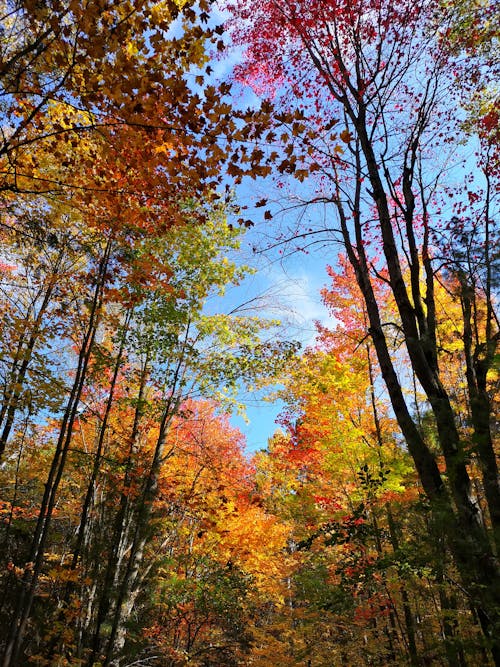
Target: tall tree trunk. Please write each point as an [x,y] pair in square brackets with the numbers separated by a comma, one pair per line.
[81,535]
[467,536]
[121,526]
[477,364]
[36,555]
[22,361]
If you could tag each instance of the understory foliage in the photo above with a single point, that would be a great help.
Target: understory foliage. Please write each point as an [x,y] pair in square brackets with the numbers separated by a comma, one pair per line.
[134,528]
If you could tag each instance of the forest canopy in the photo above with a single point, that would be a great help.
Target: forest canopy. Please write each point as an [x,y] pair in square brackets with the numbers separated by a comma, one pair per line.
[136,528]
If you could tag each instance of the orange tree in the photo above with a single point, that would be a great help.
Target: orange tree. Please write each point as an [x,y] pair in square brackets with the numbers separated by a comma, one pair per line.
[221,557]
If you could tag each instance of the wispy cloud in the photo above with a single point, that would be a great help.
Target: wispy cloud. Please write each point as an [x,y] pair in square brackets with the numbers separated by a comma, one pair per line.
[294,299]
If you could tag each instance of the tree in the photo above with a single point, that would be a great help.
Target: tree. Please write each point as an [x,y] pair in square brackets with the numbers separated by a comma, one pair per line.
[368,567]
[381,72]
[224,555]
[70,73]
[139,324]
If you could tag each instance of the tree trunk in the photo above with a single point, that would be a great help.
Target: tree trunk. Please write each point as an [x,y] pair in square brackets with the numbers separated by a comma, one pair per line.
[36,556]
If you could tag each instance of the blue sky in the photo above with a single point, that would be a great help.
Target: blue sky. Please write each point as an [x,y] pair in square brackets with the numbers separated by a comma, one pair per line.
[287,282]
[284,288]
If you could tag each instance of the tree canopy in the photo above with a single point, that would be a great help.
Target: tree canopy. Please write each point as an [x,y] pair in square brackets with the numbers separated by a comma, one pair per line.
[135,527]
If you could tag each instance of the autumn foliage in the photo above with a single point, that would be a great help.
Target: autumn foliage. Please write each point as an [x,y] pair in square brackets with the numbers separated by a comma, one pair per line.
[135,529]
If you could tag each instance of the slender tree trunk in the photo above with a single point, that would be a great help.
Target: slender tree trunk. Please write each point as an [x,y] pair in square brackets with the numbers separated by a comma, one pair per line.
[98,454]
[36,556]
[105,600]
[21,364]
[142,529]
[467,536]
[89,496]
[476,369]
